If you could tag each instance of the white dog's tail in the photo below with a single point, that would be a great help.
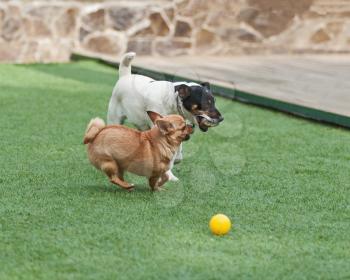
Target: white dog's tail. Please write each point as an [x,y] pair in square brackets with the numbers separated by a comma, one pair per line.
[93,128]
[125,64]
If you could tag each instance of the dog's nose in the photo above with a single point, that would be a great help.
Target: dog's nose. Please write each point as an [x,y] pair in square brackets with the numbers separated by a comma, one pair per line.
[221,119]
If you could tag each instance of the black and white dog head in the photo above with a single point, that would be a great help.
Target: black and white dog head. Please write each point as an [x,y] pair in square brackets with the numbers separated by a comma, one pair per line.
[198,100]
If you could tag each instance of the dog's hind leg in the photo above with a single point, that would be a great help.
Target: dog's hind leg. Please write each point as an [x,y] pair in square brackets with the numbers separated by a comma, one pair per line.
[115,113]
[115,175]
[116,180]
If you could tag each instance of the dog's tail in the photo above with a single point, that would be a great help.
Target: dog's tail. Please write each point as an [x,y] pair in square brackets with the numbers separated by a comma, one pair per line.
[125,64]
[93,128]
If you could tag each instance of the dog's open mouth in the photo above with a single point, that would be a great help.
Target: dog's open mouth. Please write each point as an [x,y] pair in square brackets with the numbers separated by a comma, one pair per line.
[204,122]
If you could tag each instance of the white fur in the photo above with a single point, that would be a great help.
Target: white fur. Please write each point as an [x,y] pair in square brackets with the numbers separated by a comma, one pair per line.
[134,95]
[96,122]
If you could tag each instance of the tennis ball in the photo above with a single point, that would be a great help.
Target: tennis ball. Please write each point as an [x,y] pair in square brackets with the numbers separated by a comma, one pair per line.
[220,224]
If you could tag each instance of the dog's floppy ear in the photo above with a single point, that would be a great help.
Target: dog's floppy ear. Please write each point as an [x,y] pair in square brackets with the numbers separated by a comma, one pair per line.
[165,126]
[154,116]
[183,90]
[205,84]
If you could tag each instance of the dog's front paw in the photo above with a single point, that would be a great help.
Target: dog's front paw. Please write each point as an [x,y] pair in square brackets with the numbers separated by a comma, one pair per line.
[178,158]
[172,177]
[130,187]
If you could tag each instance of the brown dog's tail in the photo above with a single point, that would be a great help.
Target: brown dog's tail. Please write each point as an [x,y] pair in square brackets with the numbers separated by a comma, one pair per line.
[93,128]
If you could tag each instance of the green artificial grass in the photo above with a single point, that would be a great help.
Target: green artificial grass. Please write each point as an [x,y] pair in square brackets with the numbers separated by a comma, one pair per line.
[283,181]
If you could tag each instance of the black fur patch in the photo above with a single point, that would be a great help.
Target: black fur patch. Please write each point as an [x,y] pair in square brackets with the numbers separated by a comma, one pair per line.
[199,100]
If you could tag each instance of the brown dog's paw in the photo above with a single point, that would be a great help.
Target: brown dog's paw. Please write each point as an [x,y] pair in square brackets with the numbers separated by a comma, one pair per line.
[130,188]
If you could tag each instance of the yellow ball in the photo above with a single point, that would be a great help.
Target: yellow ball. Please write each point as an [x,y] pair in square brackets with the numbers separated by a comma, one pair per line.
[220,224]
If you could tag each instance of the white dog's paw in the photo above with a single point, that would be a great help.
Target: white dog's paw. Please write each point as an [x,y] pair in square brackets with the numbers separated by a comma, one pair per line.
[178,158]
[171,176]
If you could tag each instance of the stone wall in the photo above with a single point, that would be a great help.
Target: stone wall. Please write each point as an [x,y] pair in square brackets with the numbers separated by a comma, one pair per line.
[49,31]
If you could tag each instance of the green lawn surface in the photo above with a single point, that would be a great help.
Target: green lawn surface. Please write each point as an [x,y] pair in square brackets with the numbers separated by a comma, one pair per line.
[283,181]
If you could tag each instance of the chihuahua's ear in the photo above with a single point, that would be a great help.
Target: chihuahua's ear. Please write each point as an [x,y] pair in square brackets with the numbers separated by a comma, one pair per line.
[165,127]
[154,116]
[183,91]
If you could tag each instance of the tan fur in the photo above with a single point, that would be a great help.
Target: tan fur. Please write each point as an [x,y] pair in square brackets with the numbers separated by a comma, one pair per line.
[116,149]
[93,129]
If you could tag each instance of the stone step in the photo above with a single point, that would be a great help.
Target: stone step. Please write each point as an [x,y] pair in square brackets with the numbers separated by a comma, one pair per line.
[330,6]
[330,2]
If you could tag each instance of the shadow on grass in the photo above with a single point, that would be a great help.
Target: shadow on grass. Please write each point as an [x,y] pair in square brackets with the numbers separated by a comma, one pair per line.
[115,189]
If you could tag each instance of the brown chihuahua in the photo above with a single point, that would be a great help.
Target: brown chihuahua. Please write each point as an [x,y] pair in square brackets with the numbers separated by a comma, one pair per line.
[116,148]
